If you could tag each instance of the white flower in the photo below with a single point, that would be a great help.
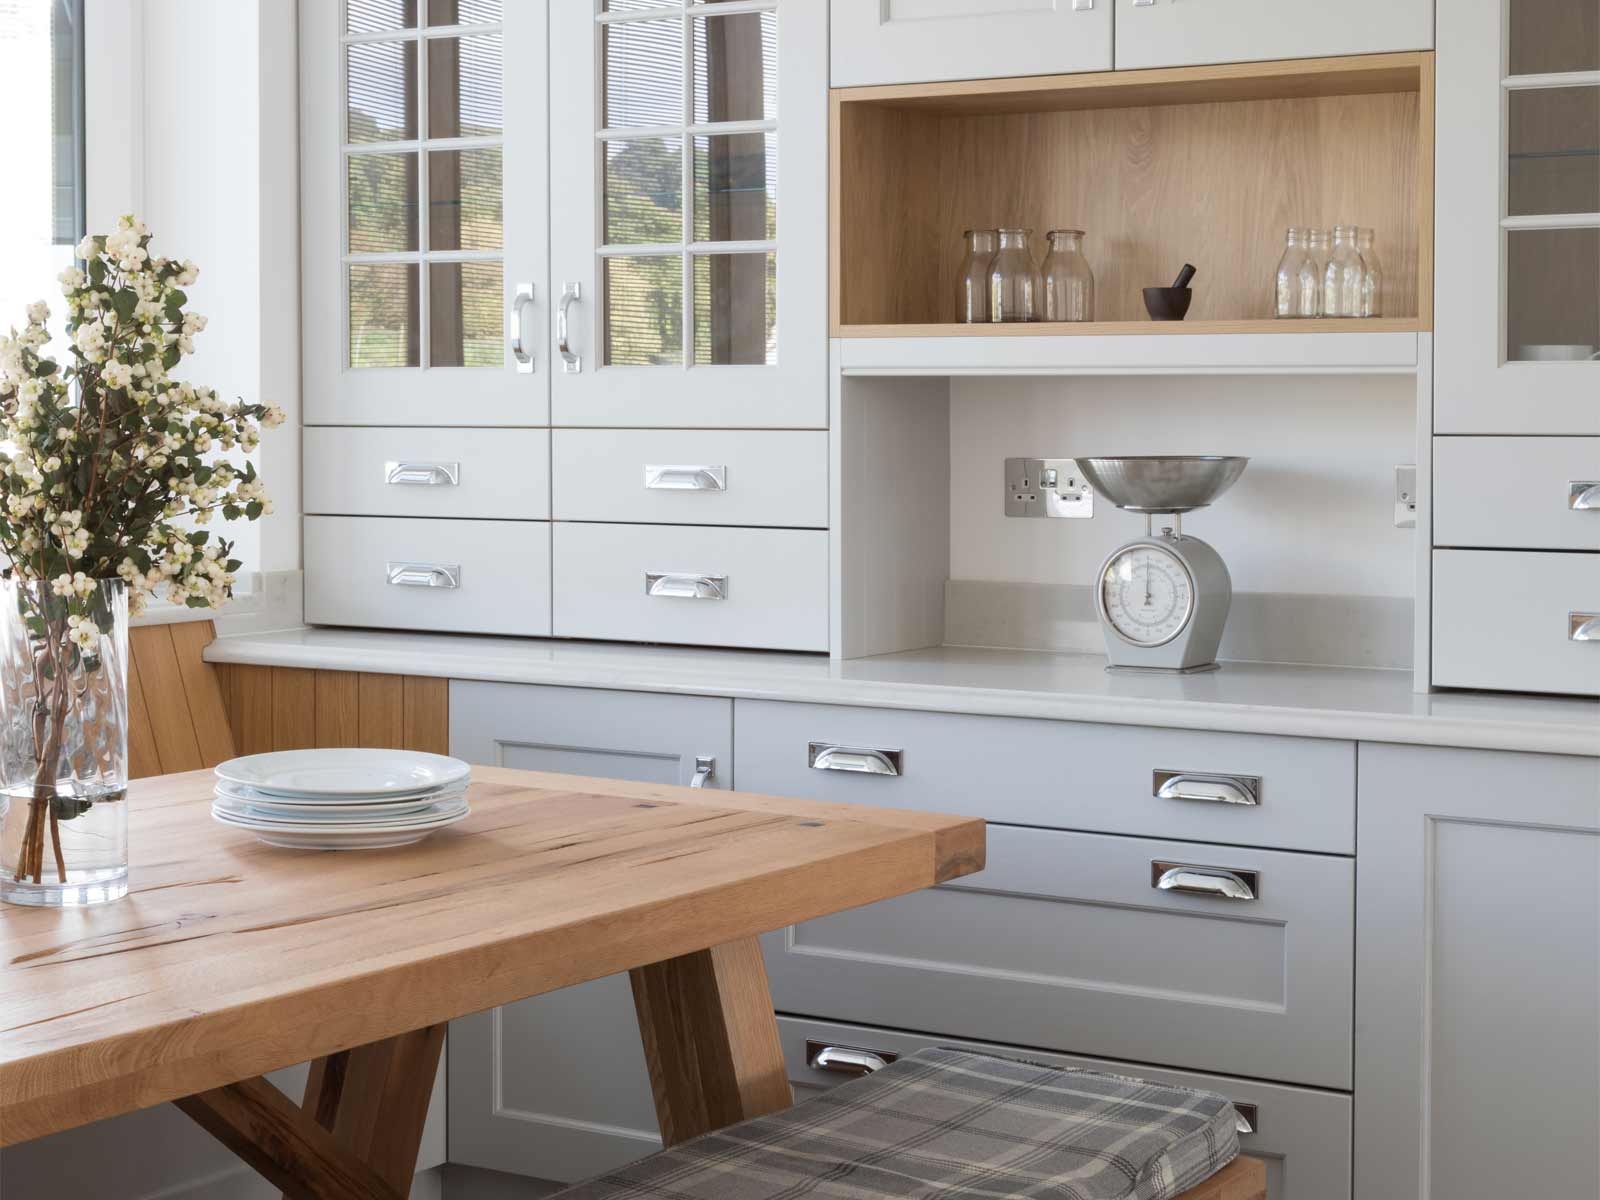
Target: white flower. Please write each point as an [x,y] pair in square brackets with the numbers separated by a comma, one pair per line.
[38,312]
[84,633]
[91,340]
[88,248]
[61,585]
[117,375]
[71,280]
[273,417]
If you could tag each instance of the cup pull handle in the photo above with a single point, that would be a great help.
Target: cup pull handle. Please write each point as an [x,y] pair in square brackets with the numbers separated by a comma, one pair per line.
[425,575]
[571,363]
[1199,785]
[1583,495]
[846,1060]
[686,587]
[685,479]
[705,766]
[1583,627]
[422,474]
[521,301]
[1246,1117]
[1219,883]
[863,760]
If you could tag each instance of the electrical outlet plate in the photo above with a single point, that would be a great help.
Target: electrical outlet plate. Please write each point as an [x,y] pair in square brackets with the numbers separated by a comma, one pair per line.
[1405,497]
[1046,487]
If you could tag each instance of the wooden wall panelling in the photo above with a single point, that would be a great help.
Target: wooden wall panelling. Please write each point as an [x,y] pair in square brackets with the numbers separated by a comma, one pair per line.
[153,655]
[250,708]
[426,714]
[202,690]
[143,758]
[381,717]
[177,716]
[338,703]
[294,709]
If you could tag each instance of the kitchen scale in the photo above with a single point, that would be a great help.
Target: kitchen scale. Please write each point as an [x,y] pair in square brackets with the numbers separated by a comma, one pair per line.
[1163,599]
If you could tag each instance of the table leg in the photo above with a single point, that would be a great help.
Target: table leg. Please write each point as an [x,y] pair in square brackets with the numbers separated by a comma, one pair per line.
[710,1039]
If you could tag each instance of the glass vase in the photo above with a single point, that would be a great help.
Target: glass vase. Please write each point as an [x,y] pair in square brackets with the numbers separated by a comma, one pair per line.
[1342,276]
[1068,281]
[1372,276]
[1293,295]
[972,288]
[63,744]
[1016,288]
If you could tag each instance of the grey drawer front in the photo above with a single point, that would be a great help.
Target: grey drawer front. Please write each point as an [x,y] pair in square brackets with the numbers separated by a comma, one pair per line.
[1058,774]
[1302,1134]
[1063,942]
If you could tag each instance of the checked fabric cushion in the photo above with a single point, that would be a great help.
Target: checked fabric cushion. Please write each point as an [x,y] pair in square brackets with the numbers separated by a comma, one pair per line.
[954,1125]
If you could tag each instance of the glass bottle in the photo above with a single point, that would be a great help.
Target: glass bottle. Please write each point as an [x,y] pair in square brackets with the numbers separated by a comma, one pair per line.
[1341,278]
[1295,270]
[1068,281]
[1016,288]
[972,288]
[1372,276]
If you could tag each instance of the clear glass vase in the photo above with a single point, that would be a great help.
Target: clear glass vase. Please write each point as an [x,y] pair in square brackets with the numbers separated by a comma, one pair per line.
[1016,287]
[972,288]
[63,744]
[1068,281]
[1372,274]
[1295,289]
[1342,276]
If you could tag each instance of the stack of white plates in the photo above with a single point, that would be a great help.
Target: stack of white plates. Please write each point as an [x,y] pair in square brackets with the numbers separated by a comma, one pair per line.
[341,799]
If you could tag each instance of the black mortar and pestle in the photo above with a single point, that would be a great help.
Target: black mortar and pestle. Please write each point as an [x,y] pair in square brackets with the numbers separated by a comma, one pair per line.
[1170,303]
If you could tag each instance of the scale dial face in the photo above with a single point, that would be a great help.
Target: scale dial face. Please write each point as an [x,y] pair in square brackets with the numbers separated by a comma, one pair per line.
[1146,595]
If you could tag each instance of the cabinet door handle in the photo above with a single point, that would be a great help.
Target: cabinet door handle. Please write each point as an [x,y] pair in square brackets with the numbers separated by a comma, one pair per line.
[521,301]
[686,587]
[571,363]
[685,479]
[1217,882]
[1202,785]
[705,767]
[846,1060]
[863,760]
[424,575]
[1583,495]
[1583,627]
[422,474]
[1246,1117]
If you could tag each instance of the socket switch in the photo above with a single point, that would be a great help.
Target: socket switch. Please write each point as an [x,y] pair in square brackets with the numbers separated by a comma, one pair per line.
[1046,487]
[1405,497]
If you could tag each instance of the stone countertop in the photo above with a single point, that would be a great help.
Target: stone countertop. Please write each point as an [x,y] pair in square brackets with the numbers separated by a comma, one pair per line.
[1299,701]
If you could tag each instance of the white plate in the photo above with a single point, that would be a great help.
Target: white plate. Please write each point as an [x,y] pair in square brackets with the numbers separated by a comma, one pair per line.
[443,815]
[349,773]
[364,838]
[239,794]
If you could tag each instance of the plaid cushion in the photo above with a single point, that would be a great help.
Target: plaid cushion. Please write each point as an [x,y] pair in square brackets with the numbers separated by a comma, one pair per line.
[952,1124]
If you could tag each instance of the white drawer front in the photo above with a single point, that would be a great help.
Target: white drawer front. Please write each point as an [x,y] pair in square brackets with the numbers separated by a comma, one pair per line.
[1520,493]
[692,477]
[1302,1134]
[428,472]
[1504,620]
[1067,775]
[398,574]
[760,588]
[1064,941]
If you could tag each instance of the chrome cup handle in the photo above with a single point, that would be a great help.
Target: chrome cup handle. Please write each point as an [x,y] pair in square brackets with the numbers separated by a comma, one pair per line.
[521,301]
[571,363]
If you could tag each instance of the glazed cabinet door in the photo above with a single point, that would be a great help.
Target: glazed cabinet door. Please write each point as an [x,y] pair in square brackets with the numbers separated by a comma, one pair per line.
[1477,1067]
[919,41]
[556,1087]
[689,224]
[1181,33]
[1517,348]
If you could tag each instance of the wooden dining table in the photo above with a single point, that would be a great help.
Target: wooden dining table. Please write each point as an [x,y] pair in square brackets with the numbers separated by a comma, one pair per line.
[230,958]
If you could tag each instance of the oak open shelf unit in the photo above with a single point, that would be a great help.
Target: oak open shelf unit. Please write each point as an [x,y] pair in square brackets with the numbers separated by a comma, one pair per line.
[1206,165]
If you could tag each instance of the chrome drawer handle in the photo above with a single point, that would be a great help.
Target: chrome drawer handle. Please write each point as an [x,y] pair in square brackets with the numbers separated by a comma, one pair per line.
[705,766]
[685,479]
[1217,882]
[1245,1117]
[424,575]
[1200,785]
[846,1060]
[1583,495]
[863,760]
[521,301]
[686,587]
[571,363]
[1583,627]
[422,474]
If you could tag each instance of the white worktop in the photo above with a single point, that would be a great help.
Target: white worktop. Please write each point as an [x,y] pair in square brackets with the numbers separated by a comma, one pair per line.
[1242,697]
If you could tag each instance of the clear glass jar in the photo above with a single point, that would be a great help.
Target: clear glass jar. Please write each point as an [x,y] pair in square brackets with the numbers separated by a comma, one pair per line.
[1016,287]
[1342,276]
[1294,287]
[1316,246]
[972,287]
[1372,275]
[1068,281]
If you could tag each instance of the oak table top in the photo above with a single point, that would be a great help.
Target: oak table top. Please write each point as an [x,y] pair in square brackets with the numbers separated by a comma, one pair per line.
[229,958]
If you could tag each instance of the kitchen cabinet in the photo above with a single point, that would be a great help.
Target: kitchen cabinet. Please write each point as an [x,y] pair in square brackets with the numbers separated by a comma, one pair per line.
[556,1087]
[916,41]
[1518,223]
[1180,33]
[1478,975]
[688,271]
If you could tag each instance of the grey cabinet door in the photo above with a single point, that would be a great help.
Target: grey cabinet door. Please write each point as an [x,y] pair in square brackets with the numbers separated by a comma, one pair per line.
[1478,975]
[555,1087]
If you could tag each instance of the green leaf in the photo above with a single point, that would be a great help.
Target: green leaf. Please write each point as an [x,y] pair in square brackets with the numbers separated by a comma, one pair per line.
[97,271]
[171,357]
[253,510]
[199,537]
[197,602]
[123,302]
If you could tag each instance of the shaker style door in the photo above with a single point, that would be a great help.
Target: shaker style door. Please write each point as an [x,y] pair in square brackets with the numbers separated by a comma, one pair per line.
[1518,241]
[424,164]
[689,213]
[1182,33]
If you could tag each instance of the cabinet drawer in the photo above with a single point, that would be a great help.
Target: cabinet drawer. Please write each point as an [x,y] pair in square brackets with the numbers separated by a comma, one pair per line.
[761,588]
[1302,1134]
[1521,493]
[409,573]
[1506,620]
[1064,941]
[692,477]
[1060,774]
[432,472]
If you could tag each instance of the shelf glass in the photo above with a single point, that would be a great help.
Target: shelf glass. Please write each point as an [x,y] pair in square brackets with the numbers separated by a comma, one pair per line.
[1554,166]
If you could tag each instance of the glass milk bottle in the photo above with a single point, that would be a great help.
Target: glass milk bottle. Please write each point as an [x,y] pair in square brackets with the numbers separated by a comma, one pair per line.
[1290,293]
[972,287]
[1310,274]
[1016,288]
[1342,277]
[1372,278]
[1068,281]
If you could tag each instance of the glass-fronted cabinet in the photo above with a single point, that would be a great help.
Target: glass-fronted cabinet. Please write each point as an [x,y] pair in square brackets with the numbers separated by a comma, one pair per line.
[1518,217]
[689,213]
[425,222]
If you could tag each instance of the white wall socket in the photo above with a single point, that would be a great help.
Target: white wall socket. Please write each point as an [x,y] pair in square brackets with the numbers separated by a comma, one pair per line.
[1046,487]
[1405,497]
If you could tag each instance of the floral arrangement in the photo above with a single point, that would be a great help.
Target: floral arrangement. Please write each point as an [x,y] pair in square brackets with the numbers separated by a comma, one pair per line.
[110,468]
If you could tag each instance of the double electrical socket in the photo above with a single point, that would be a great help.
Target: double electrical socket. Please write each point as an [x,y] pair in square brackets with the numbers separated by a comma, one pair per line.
[1046,487]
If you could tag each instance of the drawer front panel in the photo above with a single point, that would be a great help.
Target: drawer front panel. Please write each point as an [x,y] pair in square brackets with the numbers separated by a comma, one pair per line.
[393,573]
[1505,620]
[1064,941]
[1527,493]
[692,477]
[433,472]
[1302,1134]
[1064,775]
[759,588]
